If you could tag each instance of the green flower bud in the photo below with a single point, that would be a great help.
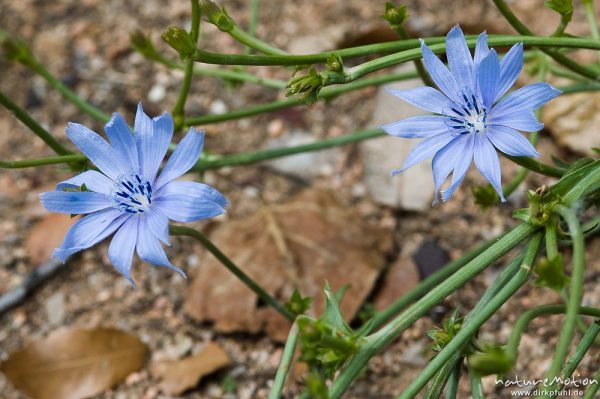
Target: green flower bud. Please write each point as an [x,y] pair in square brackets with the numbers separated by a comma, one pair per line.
[180,40]
[216,15]
[16,50]
[395,15]
[142,44]
[493,360]
[563,7]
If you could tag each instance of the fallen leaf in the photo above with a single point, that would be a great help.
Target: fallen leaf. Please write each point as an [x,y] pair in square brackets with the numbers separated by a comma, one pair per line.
[46,235]
[300,244]
[74,363]
[177,376]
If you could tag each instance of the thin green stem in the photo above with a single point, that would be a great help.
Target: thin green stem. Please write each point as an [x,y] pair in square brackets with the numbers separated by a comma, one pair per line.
[402,51]
[285,363]
[454,381]
[590,13]
[476,386]
[35,127]
[253,20]
[592,389]
[472,325]
[233,268]
[536,166]
[28,163]
[70,95]
[425,286]
[558,57]
[551,239]
[178,110]
[398,325]
[254,43]
[582,348]
[326,94]
[576,290]
[512,345]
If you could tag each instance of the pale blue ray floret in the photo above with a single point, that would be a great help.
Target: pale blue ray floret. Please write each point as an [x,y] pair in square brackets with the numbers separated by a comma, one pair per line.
[471,119]
[127,195]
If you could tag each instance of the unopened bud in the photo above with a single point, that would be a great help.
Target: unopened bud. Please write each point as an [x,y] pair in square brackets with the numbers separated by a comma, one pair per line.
[180,40]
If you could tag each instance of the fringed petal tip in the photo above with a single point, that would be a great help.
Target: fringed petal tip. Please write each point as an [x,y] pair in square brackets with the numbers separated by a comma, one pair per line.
[396,172]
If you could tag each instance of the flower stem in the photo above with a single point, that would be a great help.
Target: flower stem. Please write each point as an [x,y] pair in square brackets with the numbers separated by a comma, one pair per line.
[477,319]
[512,345]
[476,386]
[536,166]
[188,69]
[397,326]
[285,363]
[326,94]
[232,267]
[576,290]
[35,127]
[592,389]
[28,163]
[558,57]
[68,93]
[584,345]
[590,13]
[253,42]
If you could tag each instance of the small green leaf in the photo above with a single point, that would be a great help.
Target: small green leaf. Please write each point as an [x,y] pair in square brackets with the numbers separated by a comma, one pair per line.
[493,360]
[485,196]
[551,273]
[297,304]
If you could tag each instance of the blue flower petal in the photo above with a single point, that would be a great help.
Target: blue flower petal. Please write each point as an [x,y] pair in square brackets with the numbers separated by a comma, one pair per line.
[481,49]
[488,164]
[529,97]
[439,73]
[183,158]
[511,142]
[461,166]
[152,137]
[520,120]
[150,250]
[510,68]
[122,139]
[106,158]
[424,150]
[75,202]
[424,97]
[417,126]
[158,224]
[95,181]
[489,72]
[186,201]
[88,231]
[459,58]
[444,160]
[120,251]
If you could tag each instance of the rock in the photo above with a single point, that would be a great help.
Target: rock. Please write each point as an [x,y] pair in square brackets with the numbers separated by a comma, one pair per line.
[218,107]
[400,278]
[574,121]
[55,308]
[413,189]
[308,164]
[430,257]
[157,93]
[326,39]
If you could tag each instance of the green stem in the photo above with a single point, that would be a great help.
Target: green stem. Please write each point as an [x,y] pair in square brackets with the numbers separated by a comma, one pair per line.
[285,363]
[68,93]
[592,389]
[558,57]
[425,286]
[35,127]
[402,51]
[536,166]
[564,21]
[584,345]
[454,381]
[233,268]
[393,329]
[178,110]
[471,326]
[28,163]
[512,345]
[251,41]
[551,240]
[576,290]
[476,386]
[253,20]
[326,94]
[590,13]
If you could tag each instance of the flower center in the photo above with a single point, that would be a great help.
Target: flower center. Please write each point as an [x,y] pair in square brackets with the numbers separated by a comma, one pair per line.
[132,193]
[467,115]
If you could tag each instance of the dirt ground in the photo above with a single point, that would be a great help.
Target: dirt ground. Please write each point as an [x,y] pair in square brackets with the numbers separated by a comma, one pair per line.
[86,45]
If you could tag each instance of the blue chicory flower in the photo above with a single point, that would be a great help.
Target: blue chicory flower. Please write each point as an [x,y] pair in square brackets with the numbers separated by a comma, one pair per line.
[473,119]
[127,196]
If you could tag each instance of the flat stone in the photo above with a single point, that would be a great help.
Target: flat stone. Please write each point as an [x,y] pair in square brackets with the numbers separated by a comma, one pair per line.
[413,189]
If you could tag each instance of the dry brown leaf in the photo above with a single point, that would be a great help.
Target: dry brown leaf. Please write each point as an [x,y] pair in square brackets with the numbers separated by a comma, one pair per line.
[177,376]
[46,235]
[298,244]
[73,364]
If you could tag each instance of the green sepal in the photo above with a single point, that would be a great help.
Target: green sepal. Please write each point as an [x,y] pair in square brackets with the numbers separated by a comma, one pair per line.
[297,304]
[551,273]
